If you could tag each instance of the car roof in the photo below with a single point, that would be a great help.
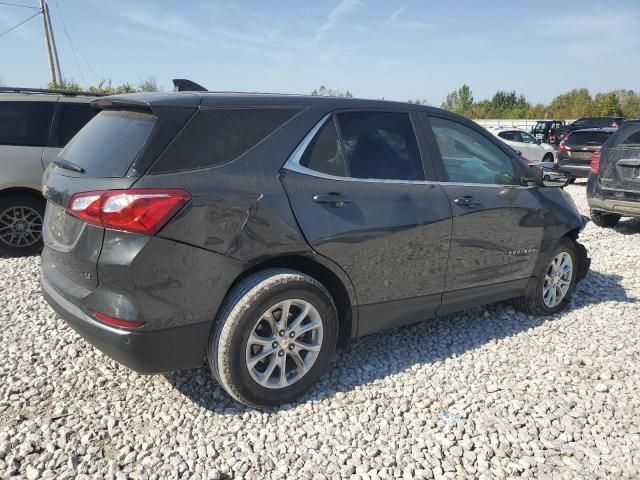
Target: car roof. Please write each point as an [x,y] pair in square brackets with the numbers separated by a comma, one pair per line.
[217,99]
[42,97]
[604,129]
[506,129]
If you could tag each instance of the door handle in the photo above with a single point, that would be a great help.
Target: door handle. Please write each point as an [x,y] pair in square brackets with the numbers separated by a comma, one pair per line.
[466,201]
[332,198]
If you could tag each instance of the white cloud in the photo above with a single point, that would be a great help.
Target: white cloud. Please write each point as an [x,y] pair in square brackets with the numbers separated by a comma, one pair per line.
[168,23]
[344,8]
[397,20]
[395,15]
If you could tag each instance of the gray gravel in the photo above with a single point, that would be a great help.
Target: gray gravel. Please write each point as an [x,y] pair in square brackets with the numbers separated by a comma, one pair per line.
[488,393]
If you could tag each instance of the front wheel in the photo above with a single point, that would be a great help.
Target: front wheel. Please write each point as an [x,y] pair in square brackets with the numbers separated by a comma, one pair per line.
[555,283]
[273,338]
[604,220]
[548,158]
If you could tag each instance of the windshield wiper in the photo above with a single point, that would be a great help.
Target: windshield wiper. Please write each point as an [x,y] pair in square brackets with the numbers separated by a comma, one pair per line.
[66,164]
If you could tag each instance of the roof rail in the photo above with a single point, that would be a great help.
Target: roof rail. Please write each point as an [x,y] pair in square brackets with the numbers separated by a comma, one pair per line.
[184,85]
[66,93]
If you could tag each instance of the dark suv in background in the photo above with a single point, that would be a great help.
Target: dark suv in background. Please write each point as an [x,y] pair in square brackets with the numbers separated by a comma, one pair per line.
[543,128]
[560,133]
[34,126]
[261,230]
[613,188]
[577,148]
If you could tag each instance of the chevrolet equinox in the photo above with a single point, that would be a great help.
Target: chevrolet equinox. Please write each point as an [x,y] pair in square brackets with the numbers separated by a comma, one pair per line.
[260,231]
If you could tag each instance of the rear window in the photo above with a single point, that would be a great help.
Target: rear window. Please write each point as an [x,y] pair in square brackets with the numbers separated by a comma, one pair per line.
[108,144]
[25,123]
[218,135]
[69,119]
[627,137]
[540,127]
[587,138]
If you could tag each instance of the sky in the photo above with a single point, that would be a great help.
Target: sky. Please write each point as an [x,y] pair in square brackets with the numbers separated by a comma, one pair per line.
[393,49]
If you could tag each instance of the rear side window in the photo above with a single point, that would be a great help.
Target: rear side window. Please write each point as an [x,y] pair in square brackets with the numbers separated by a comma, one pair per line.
[109,143]
[587,138]
[628,136]
[325,153]
[218,135]
[69,119]
[510,136]
[25,123]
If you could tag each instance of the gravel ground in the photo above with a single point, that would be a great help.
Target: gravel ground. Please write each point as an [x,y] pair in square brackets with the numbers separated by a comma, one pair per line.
[488,393]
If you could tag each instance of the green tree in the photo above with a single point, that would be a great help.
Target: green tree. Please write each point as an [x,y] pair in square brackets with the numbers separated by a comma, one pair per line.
[574,104]
[418,101]
[459,101]
[150,84]
[330,92]
[607,105]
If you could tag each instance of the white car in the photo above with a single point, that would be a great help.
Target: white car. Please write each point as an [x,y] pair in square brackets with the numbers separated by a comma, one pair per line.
[522,141]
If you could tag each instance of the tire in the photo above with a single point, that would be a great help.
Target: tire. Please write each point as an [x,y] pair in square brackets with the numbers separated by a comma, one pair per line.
[533,302]
[21,220]
[548,157]
[604,220]
[252,307]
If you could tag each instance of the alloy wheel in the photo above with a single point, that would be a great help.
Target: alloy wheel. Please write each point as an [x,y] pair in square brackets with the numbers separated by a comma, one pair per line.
[20,226]
[284,343]
[557,280]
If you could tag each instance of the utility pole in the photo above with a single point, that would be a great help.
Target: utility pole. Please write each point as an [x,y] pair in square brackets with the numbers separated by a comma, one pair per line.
[53,44]
[48,42]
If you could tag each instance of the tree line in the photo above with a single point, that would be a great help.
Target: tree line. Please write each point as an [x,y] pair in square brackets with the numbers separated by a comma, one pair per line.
[575,103]
[106,87]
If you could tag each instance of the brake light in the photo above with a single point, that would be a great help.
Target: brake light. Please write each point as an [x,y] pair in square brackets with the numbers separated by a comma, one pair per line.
[563,147]
[117,322]
[139,210]
[595,161]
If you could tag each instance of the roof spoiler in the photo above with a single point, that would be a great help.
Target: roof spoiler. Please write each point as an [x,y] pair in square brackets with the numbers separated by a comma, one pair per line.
[184,85]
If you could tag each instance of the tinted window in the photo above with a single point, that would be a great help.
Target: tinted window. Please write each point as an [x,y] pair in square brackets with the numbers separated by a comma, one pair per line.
[526,138]
[510,136]
[218,135]
[25,123]
[540,127]
[69,119]
[380,145]
[587,138]
[470,157]
[325,153]
[109,143]
[627,136]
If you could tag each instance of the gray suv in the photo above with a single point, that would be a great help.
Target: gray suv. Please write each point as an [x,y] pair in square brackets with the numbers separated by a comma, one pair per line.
[34,126]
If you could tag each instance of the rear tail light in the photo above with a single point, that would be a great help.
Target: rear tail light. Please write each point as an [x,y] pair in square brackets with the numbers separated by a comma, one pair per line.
[563,147]
[595,161]
[139,210]
[117,322]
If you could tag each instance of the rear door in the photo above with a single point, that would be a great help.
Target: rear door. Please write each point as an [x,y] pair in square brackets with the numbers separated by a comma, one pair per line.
[620,160]
[360,194]
[69,118]
[497,224]
[24,126]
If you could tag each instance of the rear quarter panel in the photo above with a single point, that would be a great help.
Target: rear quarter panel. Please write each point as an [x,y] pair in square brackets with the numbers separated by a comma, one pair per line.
[21,167]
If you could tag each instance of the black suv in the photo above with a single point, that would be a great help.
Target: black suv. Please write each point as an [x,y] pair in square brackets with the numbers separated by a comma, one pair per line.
[558,134]
[613,187]
[577,148]
[543,128]
[261,230]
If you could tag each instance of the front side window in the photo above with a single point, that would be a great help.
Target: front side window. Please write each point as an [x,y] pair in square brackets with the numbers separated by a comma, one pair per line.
[470,157]
[526,138]
[369,145]
[25,123]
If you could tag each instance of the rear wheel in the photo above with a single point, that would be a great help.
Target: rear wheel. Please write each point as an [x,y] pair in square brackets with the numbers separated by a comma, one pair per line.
[555,283]
[605,220]
[21,219]
[274,337]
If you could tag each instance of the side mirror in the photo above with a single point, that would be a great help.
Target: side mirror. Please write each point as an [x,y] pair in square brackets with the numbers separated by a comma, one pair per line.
[547,175]
[550,177]
[538,141]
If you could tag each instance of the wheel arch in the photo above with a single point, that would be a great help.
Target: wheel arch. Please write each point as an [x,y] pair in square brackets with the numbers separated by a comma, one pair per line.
[338,285]
[31,192]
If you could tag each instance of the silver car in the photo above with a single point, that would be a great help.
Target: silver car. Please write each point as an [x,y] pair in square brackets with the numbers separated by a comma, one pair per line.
[33,129]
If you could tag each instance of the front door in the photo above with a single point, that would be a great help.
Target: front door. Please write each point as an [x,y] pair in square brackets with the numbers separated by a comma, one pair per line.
[497,224]
[359,192]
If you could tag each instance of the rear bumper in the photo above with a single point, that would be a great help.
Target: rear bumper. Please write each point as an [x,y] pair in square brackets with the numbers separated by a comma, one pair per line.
[156,351]
[621,207]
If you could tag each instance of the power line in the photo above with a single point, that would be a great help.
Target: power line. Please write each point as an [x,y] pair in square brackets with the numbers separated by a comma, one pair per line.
[16,26]
[19,5]
[73,49]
